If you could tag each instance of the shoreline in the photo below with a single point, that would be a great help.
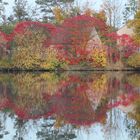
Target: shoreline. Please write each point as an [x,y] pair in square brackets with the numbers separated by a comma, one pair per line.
[13,70]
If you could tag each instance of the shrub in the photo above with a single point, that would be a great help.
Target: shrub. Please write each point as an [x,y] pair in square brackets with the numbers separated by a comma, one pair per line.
[28,51]
[134,60]
[5,63]
[7,28]
[28,58]
[134,80]
[32,49]
[99,57]
[52,61]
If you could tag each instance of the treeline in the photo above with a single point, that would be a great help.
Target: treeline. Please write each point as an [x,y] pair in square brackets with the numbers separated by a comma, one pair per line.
[66,35]
[114,12]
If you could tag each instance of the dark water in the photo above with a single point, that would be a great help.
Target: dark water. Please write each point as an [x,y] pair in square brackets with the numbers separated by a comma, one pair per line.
[70,106]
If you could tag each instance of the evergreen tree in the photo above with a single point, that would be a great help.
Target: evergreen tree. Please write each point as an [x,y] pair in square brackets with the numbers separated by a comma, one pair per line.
[20,10]
[47,6]
[130,10]
[2,11]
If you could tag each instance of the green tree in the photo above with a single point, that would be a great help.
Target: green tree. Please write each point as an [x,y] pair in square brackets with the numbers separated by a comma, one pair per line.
[47,6]
[20,10]
[2,11]
[130,9]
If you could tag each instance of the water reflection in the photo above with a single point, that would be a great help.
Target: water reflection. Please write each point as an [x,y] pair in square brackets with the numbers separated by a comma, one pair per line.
[70,105]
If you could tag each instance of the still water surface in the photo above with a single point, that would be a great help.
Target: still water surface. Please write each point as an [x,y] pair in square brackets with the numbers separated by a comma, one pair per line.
[70,106]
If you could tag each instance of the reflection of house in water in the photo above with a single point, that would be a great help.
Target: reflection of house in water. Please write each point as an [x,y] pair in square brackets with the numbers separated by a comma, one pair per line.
[127,109]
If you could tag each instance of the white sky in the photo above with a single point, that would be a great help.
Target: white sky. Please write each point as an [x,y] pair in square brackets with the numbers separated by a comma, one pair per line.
[93,3]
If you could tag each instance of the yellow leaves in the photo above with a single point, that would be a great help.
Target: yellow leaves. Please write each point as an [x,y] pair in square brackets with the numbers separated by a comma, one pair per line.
[134,60]
[59,122]
[101,15]
[88,12]
[30,52]
[99,57]
[135,24]
[134,80]
[33,84]
[98,88]
[28,58]
[30,38]
[30,88]
[50,61]
[100,84]
[24,58]
[137,39]
[59,16]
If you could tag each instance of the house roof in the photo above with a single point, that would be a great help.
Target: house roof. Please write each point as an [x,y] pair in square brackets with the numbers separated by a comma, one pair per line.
[125,30]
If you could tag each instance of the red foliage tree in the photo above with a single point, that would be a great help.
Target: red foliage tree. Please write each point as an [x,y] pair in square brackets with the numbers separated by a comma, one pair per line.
[73,36]
[29,26]
[128,45]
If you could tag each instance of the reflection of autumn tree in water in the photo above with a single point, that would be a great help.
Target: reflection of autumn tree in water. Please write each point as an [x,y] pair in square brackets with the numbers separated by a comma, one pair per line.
[82,100]
[31,90]
[126,101]
[48,131]
[39,95]
[73,104]
[28,91]
[134,126]
[20,126]
[75,99]
[67,95]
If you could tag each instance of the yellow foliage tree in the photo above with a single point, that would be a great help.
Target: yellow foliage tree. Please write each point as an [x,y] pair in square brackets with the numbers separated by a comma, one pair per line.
[99,57]
[88,12]
[135,23]
[30,53]
[59,15]
[134,60]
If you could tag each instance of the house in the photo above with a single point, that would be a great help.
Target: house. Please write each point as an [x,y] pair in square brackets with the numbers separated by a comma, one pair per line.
[125,30]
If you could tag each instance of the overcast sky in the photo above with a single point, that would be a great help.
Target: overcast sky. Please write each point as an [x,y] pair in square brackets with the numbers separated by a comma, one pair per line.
[93,3]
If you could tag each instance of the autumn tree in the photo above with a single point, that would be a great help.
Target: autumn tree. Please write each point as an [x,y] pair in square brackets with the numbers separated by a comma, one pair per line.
[73,37]
[135,23]
[31,41]
[59,15]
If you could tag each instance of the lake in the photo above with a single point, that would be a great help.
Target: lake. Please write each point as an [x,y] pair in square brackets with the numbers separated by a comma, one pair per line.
[70,106]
